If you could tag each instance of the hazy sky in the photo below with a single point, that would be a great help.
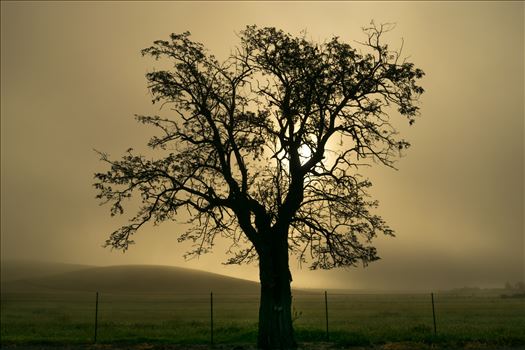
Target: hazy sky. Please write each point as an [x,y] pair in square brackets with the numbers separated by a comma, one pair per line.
[72,78]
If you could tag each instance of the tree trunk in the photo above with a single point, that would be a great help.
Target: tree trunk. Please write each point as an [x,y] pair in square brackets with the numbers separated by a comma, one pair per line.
[275,310]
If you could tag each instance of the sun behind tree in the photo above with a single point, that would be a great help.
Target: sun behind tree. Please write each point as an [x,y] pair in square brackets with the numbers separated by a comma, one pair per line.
[245,148]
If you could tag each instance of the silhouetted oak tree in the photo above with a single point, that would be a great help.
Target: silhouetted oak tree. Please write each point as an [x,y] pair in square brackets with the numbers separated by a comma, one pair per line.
[264,149]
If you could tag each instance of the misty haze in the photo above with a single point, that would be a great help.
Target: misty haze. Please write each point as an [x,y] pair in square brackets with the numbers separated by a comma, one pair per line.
[447,228]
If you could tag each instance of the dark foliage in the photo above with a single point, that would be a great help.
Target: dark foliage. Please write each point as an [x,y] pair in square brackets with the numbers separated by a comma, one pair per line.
[248,145]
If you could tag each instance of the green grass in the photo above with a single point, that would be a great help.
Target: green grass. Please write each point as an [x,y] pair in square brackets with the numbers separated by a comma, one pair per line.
[185,319]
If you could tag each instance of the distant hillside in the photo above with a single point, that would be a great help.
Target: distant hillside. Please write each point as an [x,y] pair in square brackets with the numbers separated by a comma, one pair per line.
[11,270]
[136,278]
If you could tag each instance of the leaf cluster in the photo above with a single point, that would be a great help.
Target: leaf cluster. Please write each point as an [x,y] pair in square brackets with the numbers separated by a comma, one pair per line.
[233,149]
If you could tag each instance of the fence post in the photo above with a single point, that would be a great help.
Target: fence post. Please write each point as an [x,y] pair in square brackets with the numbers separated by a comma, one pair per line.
[211,318]
[96,318]
[433,313]
[326,314]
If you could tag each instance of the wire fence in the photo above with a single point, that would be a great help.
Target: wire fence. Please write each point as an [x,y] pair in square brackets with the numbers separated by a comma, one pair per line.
[224,318]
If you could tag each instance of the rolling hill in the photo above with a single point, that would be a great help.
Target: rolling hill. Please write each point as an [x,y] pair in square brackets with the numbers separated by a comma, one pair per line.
[11,270]
[128,279]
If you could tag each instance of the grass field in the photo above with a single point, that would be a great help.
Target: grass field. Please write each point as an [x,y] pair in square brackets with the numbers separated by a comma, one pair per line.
[354,319]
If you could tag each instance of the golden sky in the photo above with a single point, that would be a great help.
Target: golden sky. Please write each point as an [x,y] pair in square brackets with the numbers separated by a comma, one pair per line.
[72,78]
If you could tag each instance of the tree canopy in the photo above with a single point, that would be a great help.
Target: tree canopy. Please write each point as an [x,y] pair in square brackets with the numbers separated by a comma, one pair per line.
[267,144]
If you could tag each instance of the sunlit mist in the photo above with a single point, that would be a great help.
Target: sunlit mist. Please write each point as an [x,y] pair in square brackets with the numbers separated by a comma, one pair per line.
[73,80]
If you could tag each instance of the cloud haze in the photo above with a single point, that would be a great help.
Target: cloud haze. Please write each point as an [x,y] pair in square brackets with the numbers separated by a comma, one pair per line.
[72,79]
